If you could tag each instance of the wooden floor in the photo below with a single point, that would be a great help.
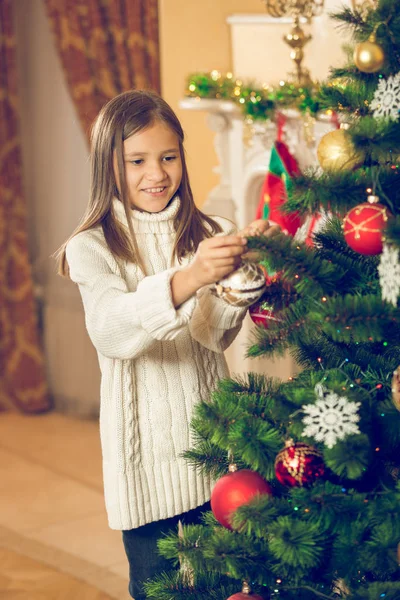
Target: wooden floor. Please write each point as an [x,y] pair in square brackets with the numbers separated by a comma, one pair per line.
[55,543]
[22,578]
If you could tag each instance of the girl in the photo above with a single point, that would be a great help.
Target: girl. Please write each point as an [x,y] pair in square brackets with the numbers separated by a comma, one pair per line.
[144,258]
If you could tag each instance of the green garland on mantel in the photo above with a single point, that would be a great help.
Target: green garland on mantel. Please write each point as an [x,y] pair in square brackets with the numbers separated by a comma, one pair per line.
[256,102]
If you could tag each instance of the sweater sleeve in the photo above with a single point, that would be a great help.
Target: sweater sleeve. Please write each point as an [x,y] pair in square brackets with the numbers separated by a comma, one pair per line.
[123,324]
[215,324]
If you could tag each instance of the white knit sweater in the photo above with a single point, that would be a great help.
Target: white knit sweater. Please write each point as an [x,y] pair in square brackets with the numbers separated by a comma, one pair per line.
[156,363]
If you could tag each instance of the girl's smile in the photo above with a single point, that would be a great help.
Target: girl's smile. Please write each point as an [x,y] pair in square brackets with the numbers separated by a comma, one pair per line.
[153,167]
[155,191]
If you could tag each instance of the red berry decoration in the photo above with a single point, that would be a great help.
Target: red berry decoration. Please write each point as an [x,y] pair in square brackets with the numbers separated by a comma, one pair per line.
[364,226]
[298,465]
[235,489]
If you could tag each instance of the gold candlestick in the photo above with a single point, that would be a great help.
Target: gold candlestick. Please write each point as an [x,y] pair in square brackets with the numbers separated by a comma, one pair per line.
[363,4]
[296,38]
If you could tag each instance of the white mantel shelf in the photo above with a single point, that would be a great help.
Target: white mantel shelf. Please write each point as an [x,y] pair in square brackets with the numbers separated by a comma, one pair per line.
[226,107]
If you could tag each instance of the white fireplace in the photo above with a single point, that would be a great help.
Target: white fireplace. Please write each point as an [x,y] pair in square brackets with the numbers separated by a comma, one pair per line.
[243,164]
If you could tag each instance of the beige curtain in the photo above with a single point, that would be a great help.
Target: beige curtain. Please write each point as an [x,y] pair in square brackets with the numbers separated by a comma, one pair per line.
[22,380]
[106,47]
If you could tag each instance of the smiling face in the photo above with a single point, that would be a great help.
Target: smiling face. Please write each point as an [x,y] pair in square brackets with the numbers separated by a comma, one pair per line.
[153,167]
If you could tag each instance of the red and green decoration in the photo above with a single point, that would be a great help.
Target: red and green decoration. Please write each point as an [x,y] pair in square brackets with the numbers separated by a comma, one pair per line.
[263,313]
[277,186]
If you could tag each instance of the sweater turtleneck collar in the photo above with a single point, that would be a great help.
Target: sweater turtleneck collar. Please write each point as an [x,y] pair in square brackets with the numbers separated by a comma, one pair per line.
[144,222]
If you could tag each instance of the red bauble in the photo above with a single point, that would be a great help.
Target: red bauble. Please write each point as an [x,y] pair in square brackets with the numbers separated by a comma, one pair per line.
[244,596]
[298,465]
[364,226]
[234,490]
[276,297]
[262,313]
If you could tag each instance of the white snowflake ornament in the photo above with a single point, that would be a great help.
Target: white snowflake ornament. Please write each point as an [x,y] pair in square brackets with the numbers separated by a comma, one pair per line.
[331,418]
[386,102]
[389,274]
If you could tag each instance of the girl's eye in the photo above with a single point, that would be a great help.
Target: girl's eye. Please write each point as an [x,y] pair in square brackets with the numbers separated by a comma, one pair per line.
[169,158]
[137,162]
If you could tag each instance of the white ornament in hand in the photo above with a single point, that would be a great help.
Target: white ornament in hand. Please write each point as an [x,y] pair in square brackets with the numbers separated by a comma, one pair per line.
[242,287]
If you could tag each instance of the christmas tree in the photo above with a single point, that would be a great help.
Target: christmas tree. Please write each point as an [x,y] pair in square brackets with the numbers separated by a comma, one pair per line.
[310,507]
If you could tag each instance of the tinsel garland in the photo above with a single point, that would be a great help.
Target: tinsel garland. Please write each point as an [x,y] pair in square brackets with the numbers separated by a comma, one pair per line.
[255,102]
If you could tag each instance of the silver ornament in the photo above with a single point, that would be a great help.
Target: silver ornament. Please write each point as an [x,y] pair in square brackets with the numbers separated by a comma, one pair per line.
[242,287]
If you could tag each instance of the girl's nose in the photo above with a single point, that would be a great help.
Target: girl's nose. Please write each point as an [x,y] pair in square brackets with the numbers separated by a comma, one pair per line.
[156,172]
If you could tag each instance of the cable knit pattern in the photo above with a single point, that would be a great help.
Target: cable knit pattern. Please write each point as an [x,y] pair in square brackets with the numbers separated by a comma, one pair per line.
[157,362]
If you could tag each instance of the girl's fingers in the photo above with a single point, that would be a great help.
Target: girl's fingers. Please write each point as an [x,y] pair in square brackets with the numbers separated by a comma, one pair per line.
[260,227]
[224,240]
[273,231]
[224,252]
[226,262]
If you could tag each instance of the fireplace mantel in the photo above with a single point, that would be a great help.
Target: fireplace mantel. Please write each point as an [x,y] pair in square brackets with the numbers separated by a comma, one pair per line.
[243,153]
[243,156]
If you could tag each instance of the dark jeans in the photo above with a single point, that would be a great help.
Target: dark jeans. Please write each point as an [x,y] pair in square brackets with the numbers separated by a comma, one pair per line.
[142,552]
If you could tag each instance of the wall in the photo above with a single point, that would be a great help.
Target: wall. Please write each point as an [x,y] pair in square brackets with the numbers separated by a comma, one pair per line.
[258,49]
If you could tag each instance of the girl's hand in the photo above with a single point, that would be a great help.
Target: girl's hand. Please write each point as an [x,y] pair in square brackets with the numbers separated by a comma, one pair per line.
[215,258]
[260,227]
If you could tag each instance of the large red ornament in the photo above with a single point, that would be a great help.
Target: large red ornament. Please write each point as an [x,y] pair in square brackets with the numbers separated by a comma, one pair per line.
[235,489]
[244,596]
[364,226]
[298,465]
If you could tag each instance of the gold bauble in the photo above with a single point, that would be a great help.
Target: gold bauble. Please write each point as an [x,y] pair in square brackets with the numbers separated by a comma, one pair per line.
[242,287]
[336,152]
[369,56]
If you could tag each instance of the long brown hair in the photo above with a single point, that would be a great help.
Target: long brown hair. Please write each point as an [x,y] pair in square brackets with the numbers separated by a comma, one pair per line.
[123,116]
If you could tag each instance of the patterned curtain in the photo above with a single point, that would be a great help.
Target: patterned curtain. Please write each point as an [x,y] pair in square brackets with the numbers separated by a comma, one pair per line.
[22,381]
[106,47]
